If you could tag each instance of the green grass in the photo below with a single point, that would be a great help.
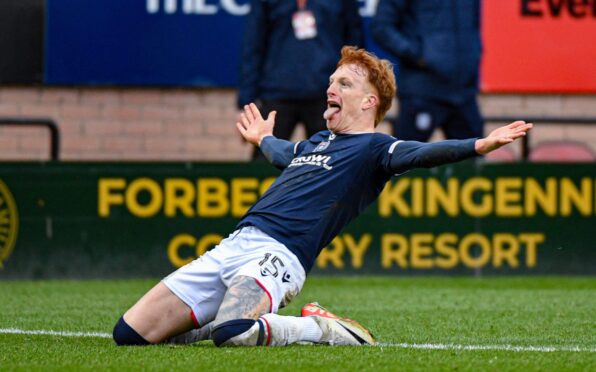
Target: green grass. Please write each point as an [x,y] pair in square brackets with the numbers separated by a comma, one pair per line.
[556,312]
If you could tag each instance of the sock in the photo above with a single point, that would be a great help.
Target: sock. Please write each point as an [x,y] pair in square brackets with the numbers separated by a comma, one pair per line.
[124,334]
[194,335]
[287,330]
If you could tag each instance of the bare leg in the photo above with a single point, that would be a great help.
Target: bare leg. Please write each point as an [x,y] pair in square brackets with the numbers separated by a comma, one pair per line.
[159,314]
[245,299]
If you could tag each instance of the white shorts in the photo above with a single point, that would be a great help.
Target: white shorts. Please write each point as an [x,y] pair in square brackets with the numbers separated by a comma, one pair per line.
[248,251]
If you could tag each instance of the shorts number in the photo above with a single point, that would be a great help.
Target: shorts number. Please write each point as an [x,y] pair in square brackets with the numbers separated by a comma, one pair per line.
[271,265]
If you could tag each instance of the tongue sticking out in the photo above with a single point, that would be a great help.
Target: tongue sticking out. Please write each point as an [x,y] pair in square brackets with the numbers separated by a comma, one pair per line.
[330,112]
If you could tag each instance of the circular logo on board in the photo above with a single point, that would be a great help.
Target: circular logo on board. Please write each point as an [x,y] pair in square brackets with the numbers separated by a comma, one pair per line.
[9,223]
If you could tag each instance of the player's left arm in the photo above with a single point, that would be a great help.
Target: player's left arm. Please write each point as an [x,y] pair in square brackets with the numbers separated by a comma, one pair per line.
[259,132]
[411,154]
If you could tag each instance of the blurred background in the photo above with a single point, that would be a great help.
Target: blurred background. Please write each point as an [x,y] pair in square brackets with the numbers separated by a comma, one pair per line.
[118,142]
[157,79]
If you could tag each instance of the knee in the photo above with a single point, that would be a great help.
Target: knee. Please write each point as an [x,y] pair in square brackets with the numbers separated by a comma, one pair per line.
[239,332]
[124,334]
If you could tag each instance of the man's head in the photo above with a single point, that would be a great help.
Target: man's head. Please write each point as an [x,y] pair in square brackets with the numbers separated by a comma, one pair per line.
[360,91]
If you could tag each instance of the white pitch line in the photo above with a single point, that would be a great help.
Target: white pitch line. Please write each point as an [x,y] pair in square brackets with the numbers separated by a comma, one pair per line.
[16,331]
[540,349]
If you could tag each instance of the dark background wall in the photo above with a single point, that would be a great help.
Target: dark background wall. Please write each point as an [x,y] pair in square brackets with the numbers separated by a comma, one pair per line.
[21,41]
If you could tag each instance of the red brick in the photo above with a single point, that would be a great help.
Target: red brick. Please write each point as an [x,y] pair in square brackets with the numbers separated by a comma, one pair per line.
[144,127]
[19,95]
[219,97]
[102,127]
[10,109]
[72,111]
[79,143]
[542,105]
[70,126]
[202,113]
[164,144]
[184,128]
[40,110]
[80,154]
[7,144]
[60,95]
[182,97]
[579,105]
[123,145]
[141,97]
[501,104]
[98,95]
[39,142]
[161,112]
[202,147]
[116,111]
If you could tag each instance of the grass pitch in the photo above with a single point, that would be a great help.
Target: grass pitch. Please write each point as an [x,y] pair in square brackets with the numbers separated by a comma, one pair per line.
[494,324]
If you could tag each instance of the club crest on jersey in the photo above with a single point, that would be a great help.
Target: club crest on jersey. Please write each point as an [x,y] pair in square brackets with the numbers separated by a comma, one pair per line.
[316,160]
[321,146]
[9,221]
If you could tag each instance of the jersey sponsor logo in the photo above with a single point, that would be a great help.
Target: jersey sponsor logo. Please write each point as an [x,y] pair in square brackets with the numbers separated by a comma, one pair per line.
[316,160]
[9,222]
[321,146]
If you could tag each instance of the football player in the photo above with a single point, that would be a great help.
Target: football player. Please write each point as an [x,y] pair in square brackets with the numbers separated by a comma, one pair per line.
[232,293]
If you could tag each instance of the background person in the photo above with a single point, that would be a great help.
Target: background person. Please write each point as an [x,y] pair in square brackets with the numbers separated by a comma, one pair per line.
[290,49]
[438,46]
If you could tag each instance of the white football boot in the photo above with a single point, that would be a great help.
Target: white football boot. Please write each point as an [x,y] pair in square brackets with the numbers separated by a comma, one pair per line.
[337,330]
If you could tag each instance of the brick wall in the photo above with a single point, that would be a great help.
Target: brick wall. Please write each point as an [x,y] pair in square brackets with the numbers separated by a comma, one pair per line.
[198,124]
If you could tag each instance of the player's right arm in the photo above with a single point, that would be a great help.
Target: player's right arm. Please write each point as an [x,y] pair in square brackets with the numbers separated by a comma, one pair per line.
[259,132]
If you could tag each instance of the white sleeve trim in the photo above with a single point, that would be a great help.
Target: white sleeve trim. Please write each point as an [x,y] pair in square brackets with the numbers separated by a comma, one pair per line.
[393,146]
[296,147]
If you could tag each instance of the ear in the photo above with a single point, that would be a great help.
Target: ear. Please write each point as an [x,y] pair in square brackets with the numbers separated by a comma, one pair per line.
[370,101]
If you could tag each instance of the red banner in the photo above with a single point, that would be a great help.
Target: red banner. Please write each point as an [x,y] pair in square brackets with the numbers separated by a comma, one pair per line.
[539,46]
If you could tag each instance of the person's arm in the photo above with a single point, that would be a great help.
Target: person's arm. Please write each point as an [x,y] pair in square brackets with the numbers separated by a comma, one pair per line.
[385,30]
[259,132]
[279,152]
[408,155]
[254,50]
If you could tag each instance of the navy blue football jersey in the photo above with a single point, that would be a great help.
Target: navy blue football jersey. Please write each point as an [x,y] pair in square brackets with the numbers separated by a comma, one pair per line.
[329,179]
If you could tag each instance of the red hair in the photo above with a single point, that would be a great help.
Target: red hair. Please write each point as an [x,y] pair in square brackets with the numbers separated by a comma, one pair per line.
[380,76]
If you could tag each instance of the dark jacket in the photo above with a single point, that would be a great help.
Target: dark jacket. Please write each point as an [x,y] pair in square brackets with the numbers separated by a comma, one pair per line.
[276,65]
[437,43]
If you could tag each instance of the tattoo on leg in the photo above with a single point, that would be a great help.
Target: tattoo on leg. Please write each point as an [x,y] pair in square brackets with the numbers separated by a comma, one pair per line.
[245,299]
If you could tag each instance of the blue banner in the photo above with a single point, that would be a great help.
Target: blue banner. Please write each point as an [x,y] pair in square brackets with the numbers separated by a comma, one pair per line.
[147,42]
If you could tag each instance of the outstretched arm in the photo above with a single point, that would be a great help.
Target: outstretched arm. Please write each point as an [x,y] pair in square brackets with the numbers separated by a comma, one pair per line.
[411,154]
[259,132]
[502,136]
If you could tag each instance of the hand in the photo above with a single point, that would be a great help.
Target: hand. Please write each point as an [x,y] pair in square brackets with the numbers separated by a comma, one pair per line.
[502,136]
[239,119]
[253,127]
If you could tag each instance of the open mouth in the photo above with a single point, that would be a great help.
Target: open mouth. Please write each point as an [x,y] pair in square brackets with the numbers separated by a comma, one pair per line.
[332,109]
